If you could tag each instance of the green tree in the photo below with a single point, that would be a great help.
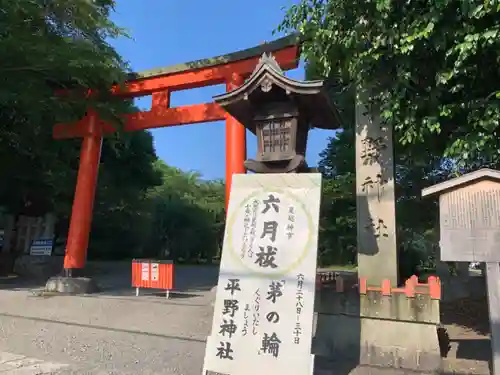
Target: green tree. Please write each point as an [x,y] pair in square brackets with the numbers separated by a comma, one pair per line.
[50,45]
[431,66]
[337,239]
[416,168]
[46,46]
[416,217]
[188,216]
[53,54]
[122,214]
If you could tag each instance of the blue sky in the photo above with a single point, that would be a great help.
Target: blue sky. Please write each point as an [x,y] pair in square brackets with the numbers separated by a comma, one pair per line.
[167,32]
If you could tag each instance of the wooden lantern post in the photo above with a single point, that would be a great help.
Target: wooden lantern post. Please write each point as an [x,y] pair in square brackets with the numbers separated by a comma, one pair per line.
[272,226]
[469,210]
[279,111]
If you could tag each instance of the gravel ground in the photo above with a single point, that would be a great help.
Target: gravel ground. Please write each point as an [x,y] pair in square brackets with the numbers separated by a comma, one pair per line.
[114,332]
[99,351]
[102,335]
[110,333]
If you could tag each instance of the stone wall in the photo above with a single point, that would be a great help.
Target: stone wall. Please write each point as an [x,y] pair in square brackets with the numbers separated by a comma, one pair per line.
[38,267]
[462,284]
[379,326]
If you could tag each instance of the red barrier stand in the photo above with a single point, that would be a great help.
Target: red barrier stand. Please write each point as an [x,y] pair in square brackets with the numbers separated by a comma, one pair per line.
[153,274]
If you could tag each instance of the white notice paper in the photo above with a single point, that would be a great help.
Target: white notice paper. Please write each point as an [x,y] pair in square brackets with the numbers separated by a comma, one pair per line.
[154,271]
[145,272]
[263,314]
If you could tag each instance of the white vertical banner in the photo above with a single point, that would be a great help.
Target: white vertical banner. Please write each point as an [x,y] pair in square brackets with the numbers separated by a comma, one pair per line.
[263,314]
[145,271]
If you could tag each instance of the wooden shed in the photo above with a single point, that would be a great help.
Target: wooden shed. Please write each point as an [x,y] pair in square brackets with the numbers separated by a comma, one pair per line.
[469,211]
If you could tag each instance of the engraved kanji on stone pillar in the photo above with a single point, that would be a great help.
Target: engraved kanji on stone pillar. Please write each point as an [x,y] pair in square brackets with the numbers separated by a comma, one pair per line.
[376,213]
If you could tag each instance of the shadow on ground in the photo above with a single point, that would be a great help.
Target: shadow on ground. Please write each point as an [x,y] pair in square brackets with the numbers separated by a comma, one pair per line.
[14,282]
[467,324]
[114,279]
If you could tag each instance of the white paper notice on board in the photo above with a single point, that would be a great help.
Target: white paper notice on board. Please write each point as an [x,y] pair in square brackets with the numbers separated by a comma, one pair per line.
[154,271]
[263,314]
[145,272]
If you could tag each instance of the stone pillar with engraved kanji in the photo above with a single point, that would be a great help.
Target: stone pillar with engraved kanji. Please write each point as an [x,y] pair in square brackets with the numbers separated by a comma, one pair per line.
[375,198]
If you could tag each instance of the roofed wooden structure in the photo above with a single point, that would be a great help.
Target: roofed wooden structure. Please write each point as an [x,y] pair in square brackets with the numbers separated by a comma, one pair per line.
[462,181]
[310,97]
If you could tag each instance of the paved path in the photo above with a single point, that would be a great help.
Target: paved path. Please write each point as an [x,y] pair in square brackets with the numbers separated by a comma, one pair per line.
[110,333]
[100,351]
[115,332]
[105,335]
[15,364]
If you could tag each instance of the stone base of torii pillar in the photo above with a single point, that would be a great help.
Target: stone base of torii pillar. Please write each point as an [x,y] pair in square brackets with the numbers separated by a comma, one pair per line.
[71,285]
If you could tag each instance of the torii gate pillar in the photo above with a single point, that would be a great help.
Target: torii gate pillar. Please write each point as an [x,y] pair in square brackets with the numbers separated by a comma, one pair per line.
[83,202]
[235,141]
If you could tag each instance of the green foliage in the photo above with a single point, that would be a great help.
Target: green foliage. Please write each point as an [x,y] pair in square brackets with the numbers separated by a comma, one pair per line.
[58,44]
[415,169]
[432,66]
[121,211]
[48,46]
[414,215]
[142,206]
[188,216]
[337,240]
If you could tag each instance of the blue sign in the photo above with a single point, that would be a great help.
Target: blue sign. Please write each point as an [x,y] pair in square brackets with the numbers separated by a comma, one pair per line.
[42,246]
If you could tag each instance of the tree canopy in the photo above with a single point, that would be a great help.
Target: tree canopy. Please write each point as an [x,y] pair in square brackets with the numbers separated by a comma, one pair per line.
[53,53]
[55,45]
[188,216]
[431,66]
[432,69]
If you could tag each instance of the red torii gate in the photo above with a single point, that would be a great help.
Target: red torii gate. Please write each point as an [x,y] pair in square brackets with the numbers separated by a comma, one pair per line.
[231,69]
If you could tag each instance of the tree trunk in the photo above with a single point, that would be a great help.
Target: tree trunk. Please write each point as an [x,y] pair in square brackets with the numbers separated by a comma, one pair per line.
[8,259]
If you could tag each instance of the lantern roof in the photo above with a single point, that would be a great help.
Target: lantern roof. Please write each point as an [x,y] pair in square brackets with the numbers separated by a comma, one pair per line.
[268,86]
